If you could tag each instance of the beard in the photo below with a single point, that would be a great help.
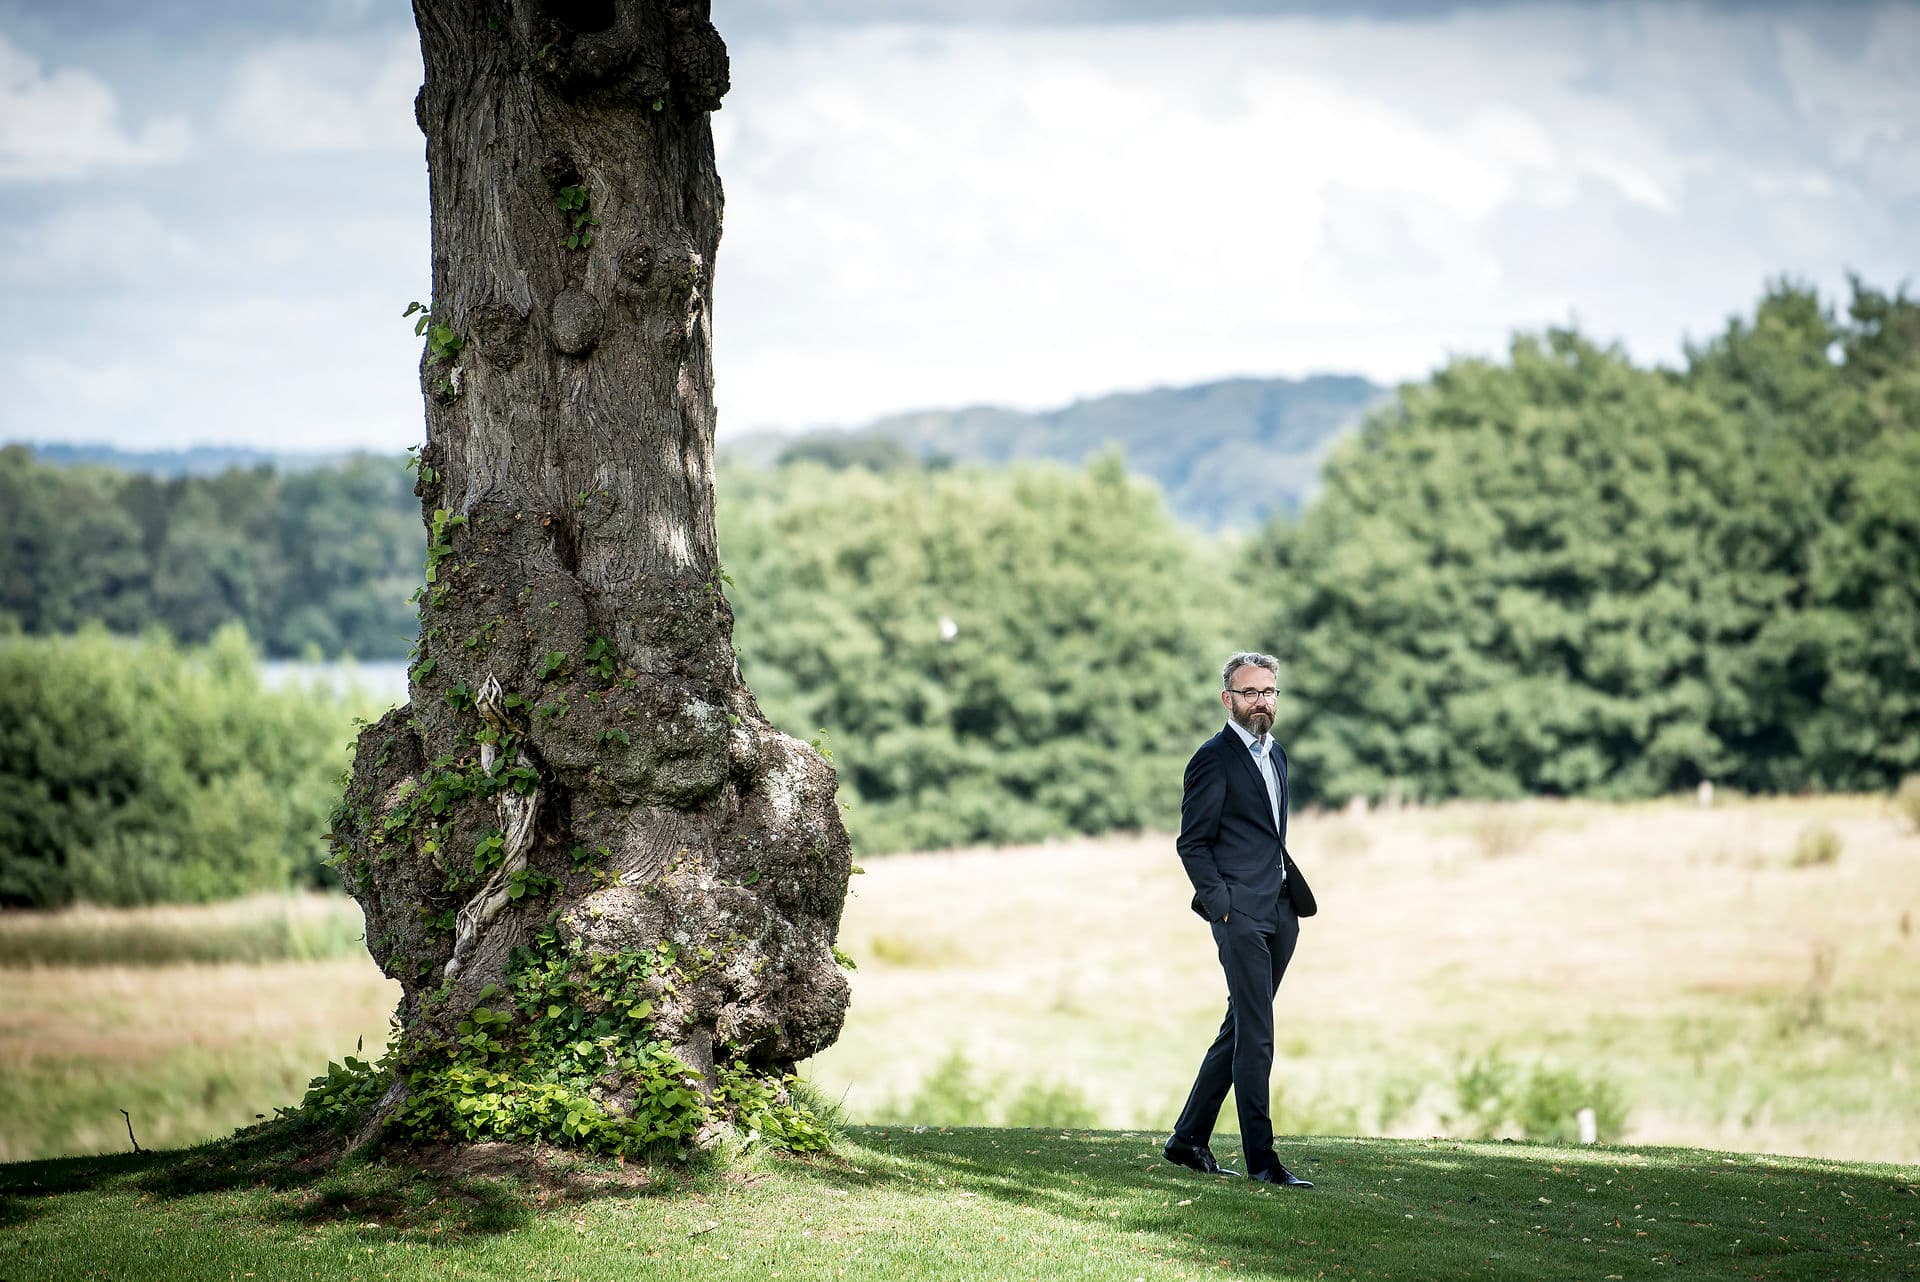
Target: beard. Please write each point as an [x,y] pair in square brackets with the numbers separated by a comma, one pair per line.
[1257,722]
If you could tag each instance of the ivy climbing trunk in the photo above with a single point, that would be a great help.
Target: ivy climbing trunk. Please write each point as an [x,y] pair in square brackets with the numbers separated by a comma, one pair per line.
[593,866]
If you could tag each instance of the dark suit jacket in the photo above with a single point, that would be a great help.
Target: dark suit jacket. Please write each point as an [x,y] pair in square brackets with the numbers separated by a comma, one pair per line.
[1232,851]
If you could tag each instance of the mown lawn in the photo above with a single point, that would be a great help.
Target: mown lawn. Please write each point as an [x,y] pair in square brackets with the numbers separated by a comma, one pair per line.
[900,1203]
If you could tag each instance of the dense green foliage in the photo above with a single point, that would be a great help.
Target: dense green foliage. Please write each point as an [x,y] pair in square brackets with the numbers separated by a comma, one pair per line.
[133,772]
[531,1062]
[1561,574]
[1569,575]
[994,656]
[317,559]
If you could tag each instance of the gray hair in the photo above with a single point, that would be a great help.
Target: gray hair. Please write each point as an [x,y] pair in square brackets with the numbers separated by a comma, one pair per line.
[1248,659]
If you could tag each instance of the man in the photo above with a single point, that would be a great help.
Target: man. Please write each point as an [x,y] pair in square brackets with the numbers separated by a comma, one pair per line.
[1233,841]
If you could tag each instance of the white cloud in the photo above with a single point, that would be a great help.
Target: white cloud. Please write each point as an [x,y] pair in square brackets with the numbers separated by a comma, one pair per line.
[117,245]
[318,373]
[1032,215]
[1868,108]
[934,216]
[1027,215]
[64,123]
[321,95]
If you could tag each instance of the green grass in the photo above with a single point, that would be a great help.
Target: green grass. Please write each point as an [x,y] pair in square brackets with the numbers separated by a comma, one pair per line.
[191,1051]
[74,1105]
[262,928]
[894,1204]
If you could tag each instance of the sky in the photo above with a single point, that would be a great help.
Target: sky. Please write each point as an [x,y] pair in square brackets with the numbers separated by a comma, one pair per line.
[210,227]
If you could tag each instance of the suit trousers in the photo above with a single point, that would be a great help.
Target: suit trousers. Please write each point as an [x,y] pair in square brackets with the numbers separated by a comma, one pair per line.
[1254,954]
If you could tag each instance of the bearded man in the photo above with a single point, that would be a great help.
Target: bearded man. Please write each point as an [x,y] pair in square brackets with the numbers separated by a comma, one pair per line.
[1233,842]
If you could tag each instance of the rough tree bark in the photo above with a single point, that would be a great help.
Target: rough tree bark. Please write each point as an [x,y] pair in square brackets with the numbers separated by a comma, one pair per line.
[576,712]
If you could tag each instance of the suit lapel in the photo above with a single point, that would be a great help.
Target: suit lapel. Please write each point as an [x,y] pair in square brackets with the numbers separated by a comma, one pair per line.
[1280,766]
[1251,774]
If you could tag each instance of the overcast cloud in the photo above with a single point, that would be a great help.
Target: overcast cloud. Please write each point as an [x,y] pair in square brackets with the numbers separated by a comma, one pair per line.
[209,235]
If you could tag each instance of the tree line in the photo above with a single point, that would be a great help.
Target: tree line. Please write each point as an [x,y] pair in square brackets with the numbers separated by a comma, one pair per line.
[320,560]
[1561,573]
[1567,575]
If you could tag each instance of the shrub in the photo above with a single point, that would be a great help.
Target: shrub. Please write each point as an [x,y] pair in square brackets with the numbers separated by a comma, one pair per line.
[999,656]
[1906,802]
[956,1094]
[905,950]
[951,1095]
[1816,844]
[138,772]
[1050,1105]
[534,1062]
[1494,1097]
[1482,1089]
[1548,1107]
[1399,1095]
[1503,830]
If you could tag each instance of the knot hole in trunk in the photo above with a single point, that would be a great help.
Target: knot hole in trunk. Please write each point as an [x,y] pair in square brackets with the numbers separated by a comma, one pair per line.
[565,533]
[583,16]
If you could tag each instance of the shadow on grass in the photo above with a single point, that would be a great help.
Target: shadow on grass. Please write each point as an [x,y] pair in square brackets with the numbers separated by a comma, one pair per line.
[283,1172]
[1406,1208]
[1427,1208]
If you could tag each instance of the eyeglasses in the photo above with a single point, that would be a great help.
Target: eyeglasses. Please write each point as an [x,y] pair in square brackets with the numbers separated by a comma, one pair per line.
[1255,696]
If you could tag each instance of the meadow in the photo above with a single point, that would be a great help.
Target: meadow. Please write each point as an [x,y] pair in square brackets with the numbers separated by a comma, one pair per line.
[1740,978]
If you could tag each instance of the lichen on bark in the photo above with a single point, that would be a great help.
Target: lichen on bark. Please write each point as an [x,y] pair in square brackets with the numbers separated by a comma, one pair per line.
[566,486]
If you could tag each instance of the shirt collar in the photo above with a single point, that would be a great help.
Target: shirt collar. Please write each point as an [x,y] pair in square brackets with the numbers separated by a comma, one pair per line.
[1246,737]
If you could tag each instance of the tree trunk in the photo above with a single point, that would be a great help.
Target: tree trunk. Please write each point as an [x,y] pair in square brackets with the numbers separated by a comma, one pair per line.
[581,773]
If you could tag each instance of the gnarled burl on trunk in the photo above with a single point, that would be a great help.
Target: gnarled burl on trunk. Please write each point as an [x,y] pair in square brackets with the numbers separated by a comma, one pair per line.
[580,772]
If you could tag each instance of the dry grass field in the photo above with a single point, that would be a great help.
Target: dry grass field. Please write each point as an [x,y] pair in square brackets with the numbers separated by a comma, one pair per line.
[1729,997]
[190,1051]
[1715,972]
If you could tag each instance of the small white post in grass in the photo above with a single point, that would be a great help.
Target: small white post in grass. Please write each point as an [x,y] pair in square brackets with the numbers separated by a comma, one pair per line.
[1704,794]
[1589,1127]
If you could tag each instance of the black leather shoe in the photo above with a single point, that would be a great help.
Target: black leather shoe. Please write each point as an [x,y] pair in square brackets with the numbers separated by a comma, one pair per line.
[1196,1157]
[1278,1174]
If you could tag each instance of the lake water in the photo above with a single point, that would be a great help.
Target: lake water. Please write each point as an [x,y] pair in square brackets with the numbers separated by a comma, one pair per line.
[383,679]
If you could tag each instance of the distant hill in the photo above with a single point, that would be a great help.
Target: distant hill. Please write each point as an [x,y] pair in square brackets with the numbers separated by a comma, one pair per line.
[1226,453]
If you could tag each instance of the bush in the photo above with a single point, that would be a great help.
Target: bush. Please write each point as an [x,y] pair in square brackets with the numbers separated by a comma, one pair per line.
[567,1055]
[1501,831]
[137,772]
[1816,844]
[1548,1108]
[1495,1097]
[954,1094]
[998,657]
[951,1095]
[1906,802]
[1051,1105]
